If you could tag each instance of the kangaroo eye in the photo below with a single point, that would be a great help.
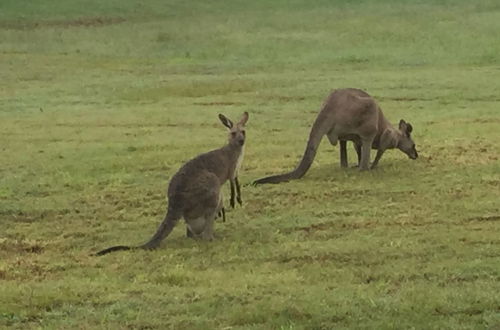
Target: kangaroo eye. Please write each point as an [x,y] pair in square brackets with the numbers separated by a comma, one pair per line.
[233,134]
[243,132]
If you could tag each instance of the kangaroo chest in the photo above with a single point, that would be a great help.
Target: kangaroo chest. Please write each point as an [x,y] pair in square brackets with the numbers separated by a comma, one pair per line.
[239,161]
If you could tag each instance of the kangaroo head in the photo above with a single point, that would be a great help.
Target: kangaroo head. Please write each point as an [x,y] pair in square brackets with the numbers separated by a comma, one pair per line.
[236,131]
[406,143]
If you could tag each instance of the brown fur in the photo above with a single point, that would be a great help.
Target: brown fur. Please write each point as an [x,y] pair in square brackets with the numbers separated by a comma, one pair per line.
[351,115]
[194,192]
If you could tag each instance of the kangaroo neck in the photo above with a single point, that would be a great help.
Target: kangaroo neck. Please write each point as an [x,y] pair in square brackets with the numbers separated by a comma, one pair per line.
[396,136]
[385,128]
[234,154]
[233,151]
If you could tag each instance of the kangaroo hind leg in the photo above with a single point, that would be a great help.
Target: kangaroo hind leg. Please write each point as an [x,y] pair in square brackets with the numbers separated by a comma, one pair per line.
[343,154]
[366,146]
[202,227]
[210,215]
[203,204]
[334,138]
[208,231]
[357,148]
[194,227]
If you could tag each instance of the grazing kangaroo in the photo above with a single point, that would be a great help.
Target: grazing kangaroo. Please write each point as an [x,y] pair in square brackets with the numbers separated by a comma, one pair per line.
[351,115]
[194,192]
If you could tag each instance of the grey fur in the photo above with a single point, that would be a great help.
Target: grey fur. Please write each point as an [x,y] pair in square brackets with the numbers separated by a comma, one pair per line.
[194,192]
[351,115]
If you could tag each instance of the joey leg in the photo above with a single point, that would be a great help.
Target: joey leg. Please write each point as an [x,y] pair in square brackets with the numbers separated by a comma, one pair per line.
[343,154]
[238,191]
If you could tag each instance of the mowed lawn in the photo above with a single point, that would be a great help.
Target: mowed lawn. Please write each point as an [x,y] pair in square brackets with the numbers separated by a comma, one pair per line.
[102,101]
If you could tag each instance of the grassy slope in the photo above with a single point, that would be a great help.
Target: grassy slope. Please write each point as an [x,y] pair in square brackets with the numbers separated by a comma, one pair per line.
[101,101]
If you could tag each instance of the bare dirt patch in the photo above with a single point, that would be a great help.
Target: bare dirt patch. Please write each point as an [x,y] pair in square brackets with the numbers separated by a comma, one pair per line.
[484,120]
[315,227]
[494,217]
[21,246]
[321,258]
[403,99]
[79,22]
[284,98]
[220,103]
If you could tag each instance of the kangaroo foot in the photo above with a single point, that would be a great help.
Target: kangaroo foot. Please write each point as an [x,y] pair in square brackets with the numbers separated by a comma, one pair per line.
[207,237]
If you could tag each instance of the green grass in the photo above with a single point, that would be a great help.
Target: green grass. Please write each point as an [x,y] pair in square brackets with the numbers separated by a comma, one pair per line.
[102,101]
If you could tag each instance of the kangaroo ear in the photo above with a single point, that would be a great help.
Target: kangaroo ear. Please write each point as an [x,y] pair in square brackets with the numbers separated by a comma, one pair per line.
[402,125]
[243,119]
[225,121]
[405,127]
[409,128]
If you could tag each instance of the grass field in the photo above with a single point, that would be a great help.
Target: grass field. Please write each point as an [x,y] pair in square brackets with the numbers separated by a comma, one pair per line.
[102,101]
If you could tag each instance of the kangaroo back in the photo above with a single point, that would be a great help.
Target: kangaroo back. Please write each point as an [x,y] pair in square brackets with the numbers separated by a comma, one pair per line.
[320,127]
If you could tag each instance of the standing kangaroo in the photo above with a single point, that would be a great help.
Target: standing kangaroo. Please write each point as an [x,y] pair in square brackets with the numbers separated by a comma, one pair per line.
[194,191]
[351,115]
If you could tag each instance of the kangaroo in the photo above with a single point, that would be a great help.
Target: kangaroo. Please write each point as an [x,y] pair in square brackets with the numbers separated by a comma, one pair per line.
[351,115]
[194,192]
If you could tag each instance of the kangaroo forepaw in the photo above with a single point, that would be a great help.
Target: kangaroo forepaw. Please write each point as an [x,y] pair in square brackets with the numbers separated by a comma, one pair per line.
[238,199]
[222,214]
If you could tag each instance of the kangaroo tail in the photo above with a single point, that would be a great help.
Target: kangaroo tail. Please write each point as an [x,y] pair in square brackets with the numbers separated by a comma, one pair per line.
[163,231]
[320,127]
[112,249]
[167,225]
